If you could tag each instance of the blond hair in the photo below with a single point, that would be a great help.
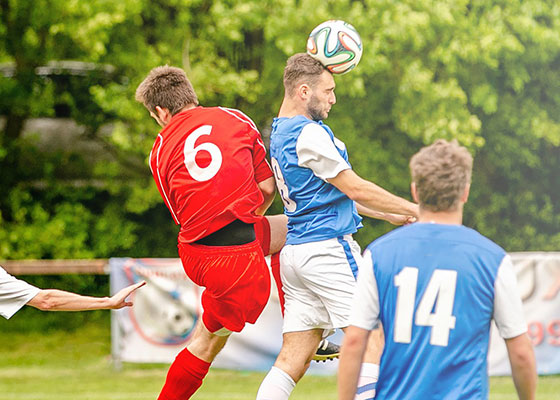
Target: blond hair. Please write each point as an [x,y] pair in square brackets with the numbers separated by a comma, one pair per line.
[301,68]
[166,87]
[441,173]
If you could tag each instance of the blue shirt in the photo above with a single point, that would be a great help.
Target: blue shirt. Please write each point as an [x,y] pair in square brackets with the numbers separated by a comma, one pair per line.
[302,164]
[435,296]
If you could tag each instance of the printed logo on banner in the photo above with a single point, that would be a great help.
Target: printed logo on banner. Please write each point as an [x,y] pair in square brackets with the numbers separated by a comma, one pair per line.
[166,310]
[538,282]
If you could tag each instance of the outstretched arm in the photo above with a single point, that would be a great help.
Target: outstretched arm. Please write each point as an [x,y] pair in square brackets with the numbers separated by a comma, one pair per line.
[372,196]
[60,300]
[395,219]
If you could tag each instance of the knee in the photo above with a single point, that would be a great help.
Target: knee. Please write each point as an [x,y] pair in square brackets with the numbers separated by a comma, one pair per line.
[295,367]
[206,346]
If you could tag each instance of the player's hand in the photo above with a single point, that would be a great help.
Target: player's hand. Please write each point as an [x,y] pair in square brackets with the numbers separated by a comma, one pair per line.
[119,299]
[398,219]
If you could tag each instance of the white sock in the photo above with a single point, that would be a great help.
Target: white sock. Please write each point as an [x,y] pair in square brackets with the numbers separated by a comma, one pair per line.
[367,381]
[276,385]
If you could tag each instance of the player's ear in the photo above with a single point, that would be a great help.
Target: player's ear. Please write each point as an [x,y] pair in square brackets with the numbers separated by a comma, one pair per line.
[414,192]
[465,196]
[304,91]
[163,114]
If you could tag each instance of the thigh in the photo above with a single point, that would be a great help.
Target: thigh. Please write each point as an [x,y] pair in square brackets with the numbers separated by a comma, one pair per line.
[278,231]
[237,282]
[325,273]
[271,233]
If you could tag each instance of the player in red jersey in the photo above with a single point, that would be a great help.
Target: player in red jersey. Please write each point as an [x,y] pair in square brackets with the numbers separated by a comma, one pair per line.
[209,165]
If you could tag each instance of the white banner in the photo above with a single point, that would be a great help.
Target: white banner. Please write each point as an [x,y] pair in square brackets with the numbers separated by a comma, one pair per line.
[165,311]
[538,278]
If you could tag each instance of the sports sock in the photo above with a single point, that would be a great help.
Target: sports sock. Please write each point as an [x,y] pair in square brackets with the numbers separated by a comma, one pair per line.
[184,377]
[276,385]
[367,381]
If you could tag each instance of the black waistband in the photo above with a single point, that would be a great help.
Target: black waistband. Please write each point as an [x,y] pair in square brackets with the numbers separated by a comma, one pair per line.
[235,233]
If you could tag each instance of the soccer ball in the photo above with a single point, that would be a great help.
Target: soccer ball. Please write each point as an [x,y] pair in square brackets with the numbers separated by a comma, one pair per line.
[337,45]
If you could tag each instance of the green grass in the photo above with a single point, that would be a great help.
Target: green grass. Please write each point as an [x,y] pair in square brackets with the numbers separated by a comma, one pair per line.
[62,365]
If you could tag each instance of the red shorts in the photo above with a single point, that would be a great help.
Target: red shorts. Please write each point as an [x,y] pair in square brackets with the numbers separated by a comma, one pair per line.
[237,282]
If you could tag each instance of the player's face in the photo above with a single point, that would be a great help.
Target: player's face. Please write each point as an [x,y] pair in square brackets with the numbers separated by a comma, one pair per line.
[322,98]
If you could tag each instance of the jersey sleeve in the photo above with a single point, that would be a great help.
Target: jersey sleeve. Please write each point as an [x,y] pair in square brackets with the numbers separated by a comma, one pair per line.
[14,294]
[316,151]
[508,309]
[260,164]
[365,309]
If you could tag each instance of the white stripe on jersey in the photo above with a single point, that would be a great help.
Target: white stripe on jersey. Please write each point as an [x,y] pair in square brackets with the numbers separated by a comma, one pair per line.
[247,120]
[233,111]
[161,184]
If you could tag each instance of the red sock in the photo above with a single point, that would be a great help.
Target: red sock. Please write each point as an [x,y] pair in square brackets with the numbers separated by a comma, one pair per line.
[184,377]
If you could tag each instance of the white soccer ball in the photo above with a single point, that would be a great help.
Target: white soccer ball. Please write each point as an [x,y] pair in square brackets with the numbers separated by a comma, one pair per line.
[177,319]
[337,45]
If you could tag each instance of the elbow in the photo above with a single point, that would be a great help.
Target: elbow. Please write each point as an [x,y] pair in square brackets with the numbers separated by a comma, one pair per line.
[521,353]
[268,189]
[44,301]
[269,193]
[356,194]
[523,359]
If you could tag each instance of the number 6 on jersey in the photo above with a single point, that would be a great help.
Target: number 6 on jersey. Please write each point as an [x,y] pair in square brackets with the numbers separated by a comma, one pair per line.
[190,151]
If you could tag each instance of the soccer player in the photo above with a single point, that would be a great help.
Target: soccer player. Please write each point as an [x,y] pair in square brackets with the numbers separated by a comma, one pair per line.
[435,286]
[320,260]
[209,165]
[15,293]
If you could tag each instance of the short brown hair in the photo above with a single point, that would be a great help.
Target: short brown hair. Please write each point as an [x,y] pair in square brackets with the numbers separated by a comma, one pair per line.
[441,172]
[301,68]
[166,87]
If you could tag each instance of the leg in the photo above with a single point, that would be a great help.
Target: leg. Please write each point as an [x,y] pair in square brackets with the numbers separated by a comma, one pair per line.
[291,364]
[191,365]
[237,283]
[278,230]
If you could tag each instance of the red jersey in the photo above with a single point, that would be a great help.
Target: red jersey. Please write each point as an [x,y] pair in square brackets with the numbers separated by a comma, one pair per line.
[206,163]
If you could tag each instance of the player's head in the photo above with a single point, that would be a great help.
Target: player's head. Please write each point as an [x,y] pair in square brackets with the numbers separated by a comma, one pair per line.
[310,85]
[168,89]
[441,174]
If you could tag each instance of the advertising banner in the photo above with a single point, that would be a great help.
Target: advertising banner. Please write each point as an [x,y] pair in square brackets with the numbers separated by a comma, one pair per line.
[538,280]
[165,311]
[164,314]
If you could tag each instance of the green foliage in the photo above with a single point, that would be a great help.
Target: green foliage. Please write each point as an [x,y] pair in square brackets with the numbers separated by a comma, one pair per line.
[482,72]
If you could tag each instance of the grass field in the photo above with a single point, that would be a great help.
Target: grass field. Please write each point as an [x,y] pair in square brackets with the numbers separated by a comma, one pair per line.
[64,365]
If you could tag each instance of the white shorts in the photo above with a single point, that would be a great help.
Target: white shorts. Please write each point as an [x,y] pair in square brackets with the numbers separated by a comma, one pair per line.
[319,279]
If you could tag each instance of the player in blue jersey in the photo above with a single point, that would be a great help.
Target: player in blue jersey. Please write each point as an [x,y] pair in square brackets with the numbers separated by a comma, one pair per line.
[322,197]
[435,286]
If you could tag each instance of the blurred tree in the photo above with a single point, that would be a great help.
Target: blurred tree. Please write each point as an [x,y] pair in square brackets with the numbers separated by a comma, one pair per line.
[483,72]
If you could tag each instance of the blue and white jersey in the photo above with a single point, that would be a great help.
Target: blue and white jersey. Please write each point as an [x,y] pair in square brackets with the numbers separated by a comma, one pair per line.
[304,154]
[435,288]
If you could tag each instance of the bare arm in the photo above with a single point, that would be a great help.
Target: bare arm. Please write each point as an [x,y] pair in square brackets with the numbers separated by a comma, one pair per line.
[395,219]
[523,366]
[268,189]
[60,300]
[371,196]
[353,348]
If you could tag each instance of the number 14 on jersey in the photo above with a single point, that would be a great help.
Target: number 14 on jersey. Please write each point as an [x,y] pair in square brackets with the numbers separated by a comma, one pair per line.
[439,296]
